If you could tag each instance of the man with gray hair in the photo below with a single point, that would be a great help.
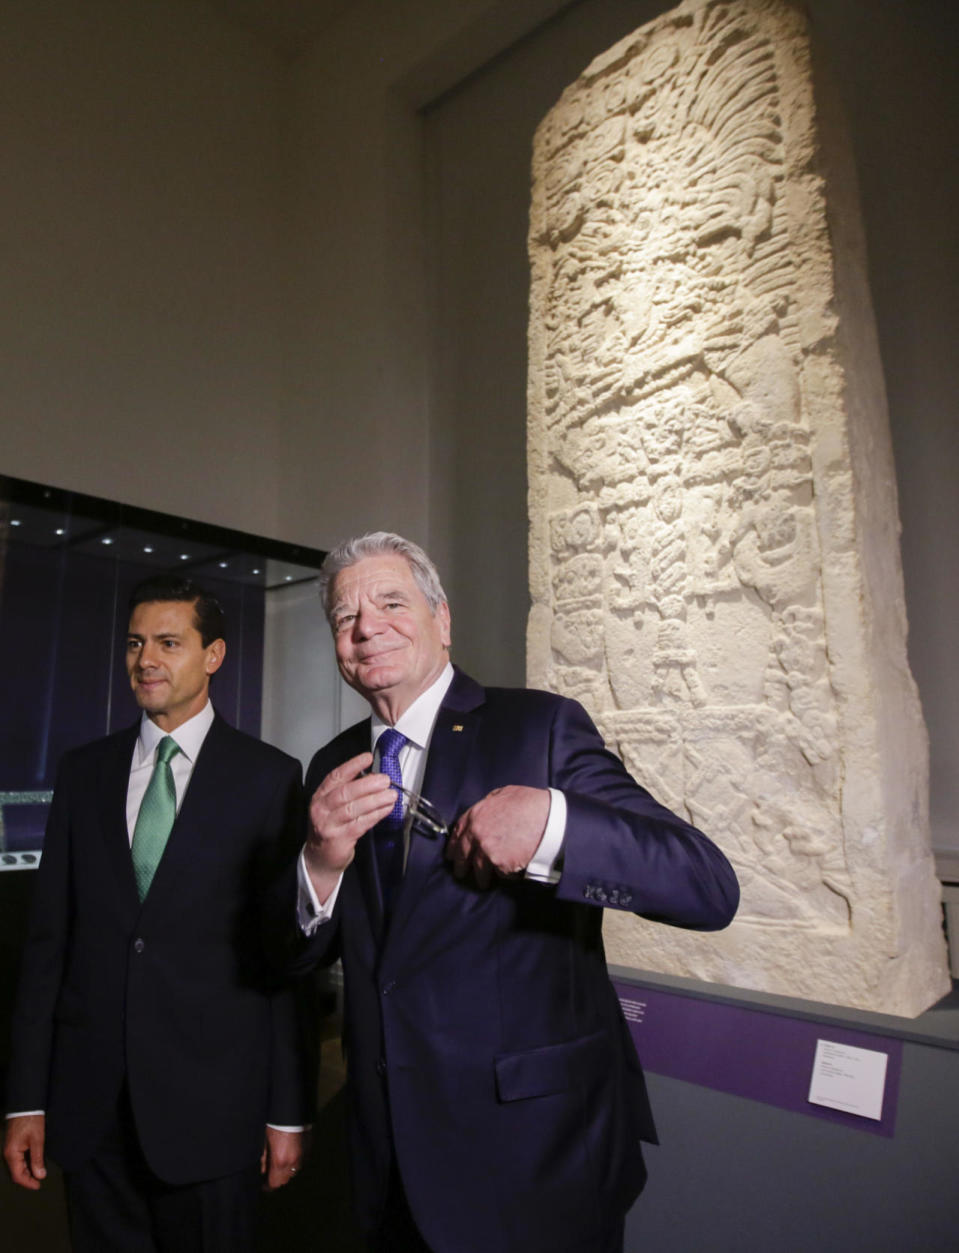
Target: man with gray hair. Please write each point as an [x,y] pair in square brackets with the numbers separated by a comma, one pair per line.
[462,842]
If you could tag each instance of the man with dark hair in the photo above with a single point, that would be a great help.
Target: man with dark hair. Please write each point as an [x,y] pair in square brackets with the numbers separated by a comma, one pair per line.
[208,617]
[497,1102]
[153,1058]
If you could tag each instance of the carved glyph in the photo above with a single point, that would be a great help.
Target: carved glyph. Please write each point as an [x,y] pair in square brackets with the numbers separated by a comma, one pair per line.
[714,559]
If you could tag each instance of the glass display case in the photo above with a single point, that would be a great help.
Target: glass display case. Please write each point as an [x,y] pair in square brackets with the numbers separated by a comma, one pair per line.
[67,564]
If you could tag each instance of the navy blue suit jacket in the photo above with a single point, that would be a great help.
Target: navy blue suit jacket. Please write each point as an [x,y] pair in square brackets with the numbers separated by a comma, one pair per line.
[170,995]
[485,1043]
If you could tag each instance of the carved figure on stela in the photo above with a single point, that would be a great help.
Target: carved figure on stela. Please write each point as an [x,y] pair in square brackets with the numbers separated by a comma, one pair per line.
[694,564]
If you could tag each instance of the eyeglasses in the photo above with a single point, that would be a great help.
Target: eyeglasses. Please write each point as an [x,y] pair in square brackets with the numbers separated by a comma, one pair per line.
[423,814]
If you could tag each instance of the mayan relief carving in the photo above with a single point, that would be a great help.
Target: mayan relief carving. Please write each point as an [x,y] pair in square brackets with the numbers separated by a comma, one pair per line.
[714,562]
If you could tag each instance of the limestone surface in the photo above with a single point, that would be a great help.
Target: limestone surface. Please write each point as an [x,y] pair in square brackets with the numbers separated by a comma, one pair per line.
[714,559]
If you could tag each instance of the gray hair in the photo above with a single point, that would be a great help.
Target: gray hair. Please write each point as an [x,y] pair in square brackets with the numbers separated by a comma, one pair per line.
[380,544]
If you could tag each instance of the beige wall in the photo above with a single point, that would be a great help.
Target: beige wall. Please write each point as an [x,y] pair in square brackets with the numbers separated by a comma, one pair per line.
[359,384]
[215,279]
[139,224]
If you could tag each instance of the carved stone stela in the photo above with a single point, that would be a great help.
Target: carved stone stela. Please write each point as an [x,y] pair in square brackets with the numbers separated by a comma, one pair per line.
[713,520]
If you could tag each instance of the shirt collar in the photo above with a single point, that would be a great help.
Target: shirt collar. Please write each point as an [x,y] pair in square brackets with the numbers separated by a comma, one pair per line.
[189,735]
[416,723]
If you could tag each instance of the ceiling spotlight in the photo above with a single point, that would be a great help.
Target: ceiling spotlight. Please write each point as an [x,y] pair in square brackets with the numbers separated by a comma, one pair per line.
[224,564]
[61,530]
[106,540]
[256,572]
[148,548]
[184,556]
[14,521]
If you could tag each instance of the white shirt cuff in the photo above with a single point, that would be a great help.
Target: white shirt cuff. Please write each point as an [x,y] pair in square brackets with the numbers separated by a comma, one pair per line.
[544,866]
[310,914]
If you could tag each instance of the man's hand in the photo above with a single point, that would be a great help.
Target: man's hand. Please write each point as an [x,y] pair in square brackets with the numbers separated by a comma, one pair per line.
[23,1150]
[499,834]
[345,806]
[281,1157]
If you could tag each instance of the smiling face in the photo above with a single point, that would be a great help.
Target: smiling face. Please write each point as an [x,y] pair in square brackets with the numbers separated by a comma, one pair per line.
[390,645]
[168,665]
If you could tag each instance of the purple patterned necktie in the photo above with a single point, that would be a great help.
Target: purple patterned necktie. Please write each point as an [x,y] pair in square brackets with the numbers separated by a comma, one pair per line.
[388,832]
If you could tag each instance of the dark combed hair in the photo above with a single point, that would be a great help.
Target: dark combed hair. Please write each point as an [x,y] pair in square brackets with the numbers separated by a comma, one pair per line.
[209,618]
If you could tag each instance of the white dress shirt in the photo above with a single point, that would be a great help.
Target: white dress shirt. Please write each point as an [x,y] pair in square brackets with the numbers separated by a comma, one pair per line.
[189,737]
[417,723]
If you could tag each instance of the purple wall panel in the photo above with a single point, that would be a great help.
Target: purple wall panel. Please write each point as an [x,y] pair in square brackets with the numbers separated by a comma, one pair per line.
[755,1053]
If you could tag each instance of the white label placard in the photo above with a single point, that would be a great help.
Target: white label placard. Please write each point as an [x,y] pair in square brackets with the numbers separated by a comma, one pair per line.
[848,1078]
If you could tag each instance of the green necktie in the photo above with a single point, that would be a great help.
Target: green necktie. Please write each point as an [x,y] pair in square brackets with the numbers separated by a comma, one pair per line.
[155,818]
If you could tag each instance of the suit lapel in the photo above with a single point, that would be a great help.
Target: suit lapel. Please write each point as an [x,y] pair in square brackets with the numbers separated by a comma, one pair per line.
[209,783]
[113,787]
[447,771]
[364,861]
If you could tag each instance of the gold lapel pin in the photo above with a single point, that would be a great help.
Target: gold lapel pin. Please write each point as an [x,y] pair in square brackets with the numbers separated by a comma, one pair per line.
[457,726]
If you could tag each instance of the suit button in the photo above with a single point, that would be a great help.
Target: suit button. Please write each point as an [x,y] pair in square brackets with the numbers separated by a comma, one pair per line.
[381,1066]
[388,988]
[138,946]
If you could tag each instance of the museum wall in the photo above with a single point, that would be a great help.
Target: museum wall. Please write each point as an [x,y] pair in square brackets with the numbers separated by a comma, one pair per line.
[291,297]
[142,189]
[358,450]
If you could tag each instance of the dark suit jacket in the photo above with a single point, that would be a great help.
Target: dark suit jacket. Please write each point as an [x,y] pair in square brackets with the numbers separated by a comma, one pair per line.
[485,1042]
[170,995]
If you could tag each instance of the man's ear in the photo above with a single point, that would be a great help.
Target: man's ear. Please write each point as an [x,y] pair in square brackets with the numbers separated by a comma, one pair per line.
[214,656]
[443,614]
